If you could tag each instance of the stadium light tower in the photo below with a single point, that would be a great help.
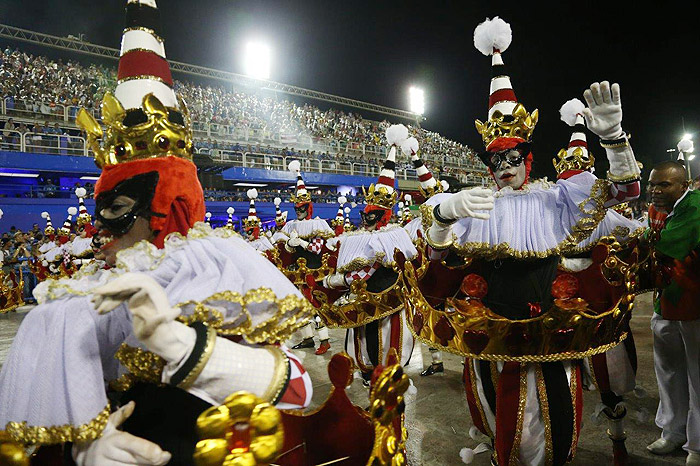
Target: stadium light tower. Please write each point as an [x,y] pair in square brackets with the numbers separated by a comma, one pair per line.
[257,60]
[416,100]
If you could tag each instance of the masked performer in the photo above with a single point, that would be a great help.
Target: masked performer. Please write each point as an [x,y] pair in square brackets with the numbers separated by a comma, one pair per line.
[252,226]
[181,317]
[524,394]
[368,255]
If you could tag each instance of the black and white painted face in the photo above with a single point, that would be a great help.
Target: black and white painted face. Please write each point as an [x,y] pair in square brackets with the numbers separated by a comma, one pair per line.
[302,211]
[370,219]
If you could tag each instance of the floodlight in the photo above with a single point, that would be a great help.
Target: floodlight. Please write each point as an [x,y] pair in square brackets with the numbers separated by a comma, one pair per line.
[687,136]
[257,60]
[416,100]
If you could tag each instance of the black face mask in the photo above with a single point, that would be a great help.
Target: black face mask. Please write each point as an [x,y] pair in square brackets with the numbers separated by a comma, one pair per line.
[142,189]
[370,218]
[302,209]
[514,157]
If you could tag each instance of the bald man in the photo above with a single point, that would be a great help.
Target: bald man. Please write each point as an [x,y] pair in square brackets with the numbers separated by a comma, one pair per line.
[674,221]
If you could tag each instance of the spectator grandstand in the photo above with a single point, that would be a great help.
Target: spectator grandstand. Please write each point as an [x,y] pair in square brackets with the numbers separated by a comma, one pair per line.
[41,99]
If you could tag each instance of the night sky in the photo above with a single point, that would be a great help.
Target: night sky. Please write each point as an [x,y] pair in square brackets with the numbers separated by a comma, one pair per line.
[373,51]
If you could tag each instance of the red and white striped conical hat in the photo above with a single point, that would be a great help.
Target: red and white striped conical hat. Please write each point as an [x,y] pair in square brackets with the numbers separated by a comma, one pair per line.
[143,67]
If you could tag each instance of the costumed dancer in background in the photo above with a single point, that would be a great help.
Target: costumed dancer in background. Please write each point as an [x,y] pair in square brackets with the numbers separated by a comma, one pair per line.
[368,255]
[432,191]
[251,225]
[81,248]
[612,372]
[517,249]
[133,323]
[307,240]
[280,221]
[348,226]
[338,223]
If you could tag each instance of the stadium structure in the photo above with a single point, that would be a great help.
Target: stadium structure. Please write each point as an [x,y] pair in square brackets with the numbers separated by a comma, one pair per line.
[246,132]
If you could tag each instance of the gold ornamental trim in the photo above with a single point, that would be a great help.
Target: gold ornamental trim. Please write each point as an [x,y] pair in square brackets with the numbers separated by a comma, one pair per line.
[202,362]
[293,312]
[569,330]
[361,262]
[144,29]
[281,376]
[51,435]
[624,178]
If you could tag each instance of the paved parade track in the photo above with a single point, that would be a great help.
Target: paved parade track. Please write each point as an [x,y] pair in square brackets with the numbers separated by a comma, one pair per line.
[437,416]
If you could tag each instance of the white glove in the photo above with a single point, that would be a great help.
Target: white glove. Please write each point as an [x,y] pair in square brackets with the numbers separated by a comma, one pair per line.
[117,448]
[604,113]
[466,203]
[336,280]
[153,318]
[295,241]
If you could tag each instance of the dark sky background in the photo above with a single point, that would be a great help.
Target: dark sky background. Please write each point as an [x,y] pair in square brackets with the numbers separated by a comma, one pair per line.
[373,51]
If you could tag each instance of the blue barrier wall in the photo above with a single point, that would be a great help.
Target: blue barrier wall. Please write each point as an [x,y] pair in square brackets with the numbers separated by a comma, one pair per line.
[23,213]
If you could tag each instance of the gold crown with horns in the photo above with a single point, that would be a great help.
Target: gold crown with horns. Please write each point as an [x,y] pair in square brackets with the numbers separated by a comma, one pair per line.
[251,222]
[520,124]
[430,191]
[578,159]
[380,196]
[155,131]
[301,198]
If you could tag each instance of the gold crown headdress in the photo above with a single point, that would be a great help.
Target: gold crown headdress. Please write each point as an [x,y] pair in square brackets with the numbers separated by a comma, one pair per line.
[143,118]
[301,195]
[507,117]
[576,156]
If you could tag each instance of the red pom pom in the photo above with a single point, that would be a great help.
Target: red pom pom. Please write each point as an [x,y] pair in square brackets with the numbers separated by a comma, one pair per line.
[474,286]
[565,286]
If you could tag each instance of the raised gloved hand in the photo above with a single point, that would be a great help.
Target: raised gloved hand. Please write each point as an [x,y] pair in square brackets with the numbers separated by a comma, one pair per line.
[604,113]
[117,448]
[153,318]
[335,280]
[466,203]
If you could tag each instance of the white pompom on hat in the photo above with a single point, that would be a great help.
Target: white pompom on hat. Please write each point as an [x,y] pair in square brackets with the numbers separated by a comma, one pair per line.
[492,35]
[396,134]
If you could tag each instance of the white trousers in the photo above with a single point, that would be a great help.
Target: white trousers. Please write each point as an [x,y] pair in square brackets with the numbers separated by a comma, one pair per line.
[677,365]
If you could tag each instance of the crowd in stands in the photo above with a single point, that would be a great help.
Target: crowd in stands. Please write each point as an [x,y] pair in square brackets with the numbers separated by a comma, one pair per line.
[321,196]
[35,84]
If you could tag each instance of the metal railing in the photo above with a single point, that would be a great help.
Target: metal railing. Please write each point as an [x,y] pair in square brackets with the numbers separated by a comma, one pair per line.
[241,138]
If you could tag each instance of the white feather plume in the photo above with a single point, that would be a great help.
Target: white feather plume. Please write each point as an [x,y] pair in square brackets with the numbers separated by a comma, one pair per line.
[294,166]
[685,145]
[492,34]
[342,200]
[408,198]
[208,215]
[569,110]
[445,185]
[252,193]
[44,214]
[72,210]
[277,201]
[347,210]
[396,134]
[1,213]
[401,204]
[230,210]
[80,192]
[410,146]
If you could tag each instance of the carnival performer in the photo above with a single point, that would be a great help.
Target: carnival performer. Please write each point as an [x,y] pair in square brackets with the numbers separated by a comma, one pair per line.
[612,372]
[280,221]
[156,322]
[368,255]
[348,226]
[252,223]
[81,247]
[517,249]
[306,239]
[338,223]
